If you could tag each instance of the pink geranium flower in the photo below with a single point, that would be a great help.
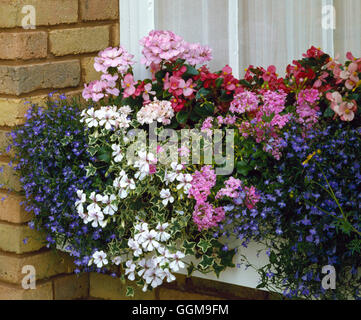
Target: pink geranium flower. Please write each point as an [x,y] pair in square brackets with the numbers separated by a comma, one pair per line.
[128,85]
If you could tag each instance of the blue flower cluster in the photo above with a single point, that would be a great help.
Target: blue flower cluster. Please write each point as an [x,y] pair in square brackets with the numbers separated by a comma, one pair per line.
[309,212]
[50,152]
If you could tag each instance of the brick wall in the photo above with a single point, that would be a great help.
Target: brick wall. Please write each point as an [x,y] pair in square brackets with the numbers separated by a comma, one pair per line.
[57,55]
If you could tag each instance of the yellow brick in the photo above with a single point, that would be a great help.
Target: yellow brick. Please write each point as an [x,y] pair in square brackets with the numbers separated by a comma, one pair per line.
[5,140]
[71,287]
[88,71]
[47,12]
[115,35]
[46,263]
[11,210]
[43,291]
[25,78]
[9,178]
[12,238]
[23,45]
[105,287]
[79,40]
[99,9]
[12,110]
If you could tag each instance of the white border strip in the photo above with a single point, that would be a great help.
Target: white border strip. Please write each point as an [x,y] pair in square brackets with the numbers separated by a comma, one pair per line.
[233,36]
[328,42]
[136,19]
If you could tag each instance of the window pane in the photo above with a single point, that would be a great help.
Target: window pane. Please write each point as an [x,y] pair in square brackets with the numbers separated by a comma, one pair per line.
[203,21]
[348,27]
[278,31]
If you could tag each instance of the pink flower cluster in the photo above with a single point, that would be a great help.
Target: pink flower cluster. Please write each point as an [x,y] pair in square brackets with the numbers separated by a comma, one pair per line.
[99,89]
[204,214]
[244,102]
[241,194]
[307,107]
[266,130]
[231,190]
[346,110]
[113,58]
[163,45]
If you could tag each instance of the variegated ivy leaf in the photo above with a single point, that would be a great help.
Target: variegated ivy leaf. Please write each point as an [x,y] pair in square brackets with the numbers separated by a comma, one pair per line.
[189,247]
[206,262]
[204,245]
[93,150]
[130,292]
[90,170]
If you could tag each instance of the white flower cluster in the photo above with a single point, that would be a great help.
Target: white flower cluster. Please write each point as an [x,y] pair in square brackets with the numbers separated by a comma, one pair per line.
[157,263]
[123,184]
[175,174]
[97,210]
[108,117]
[160,111]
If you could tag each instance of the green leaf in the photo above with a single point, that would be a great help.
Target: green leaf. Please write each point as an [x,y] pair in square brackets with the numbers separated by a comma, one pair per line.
[202,93]
[273,258]
[66,140]
[190,269]
[90,170]
[182,117]
[92,150]
[204,245]
[329,113]
[130,292]
[243,168]
[206,262]
[219,82]
[189,247]
[204,110]
[227,257]
[191,71]
[218,269]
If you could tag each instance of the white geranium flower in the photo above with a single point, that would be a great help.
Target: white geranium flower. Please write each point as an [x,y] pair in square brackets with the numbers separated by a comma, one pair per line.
[106,118]
[145,265]
[95,200]
[154,277]
[117,260]
[170,277]
[97,219]
[166,196]
[141,230]
[80,209]
[150,243]
[117,153]
[176,167]
[169,177]
[91,119]
[123,193]
[134,245]
[81,198]
[163,258]
[143,164]
[126,110]
[184,180]
[100,258]
[84,216]
[130,270]
[122,122]
[110,209]
[177,264]
[162,236]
